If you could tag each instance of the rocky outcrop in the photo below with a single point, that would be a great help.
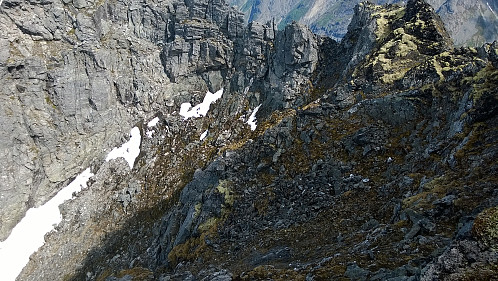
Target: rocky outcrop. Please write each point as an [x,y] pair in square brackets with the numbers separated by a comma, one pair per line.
[295,58]
[371,158]
[200,39]
[470,23]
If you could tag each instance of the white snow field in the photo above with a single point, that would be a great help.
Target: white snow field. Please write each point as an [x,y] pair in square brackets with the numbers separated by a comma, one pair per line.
[28,235]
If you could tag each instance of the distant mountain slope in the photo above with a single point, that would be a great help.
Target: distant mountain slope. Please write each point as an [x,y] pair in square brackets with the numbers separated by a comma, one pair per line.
[469,22]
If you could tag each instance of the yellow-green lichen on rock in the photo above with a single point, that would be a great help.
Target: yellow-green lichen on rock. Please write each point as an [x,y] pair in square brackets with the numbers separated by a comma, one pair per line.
[385,16]
[485,228]
[224,188]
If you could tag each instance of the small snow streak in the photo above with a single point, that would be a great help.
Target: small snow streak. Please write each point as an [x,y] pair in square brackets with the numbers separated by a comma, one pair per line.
[201,109]
[29,234]
[129,150]
[252,119]
[153,122]
[487,3]
[149,134]
[204,135]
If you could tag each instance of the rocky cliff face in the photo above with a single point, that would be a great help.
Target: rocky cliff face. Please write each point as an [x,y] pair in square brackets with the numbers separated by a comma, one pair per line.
[373,158]
[73,76]
[470,23]
[77,75]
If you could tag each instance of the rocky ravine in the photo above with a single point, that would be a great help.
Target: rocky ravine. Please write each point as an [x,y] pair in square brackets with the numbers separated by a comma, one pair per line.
[373,158]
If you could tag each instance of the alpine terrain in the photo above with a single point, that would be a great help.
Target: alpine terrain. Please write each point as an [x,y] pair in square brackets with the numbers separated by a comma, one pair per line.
[469,22]
[169,140]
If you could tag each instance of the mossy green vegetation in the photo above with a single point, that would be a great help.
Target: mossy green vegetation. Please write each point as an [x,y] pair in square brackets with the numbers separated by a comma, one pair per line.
[397,51]
[385,17]
[196,247]
[267,272]
[224,188]
[295,14]
[485,228]
[49,101]
[485,83]
[138,273]
[331,16]
[433,190]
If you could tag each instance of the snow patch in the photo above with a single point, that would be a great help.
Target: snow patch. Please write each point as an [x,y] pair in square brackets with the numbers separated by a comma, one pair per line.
[28,235]
[246,90]
[487,3]
[129,150]
[252,119]
[204,135]
[201,109]
[153,122]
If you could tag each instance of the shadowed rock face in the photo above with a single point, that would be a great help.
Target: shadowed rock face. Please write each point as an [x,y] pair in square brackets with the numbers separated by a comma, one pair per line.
[470,23]
[371,159]
[77,75]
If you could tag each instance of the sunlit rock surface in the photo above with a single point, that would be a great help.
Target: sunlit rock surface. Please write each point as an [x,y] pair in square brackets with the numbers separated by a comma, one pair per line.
[370,158]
